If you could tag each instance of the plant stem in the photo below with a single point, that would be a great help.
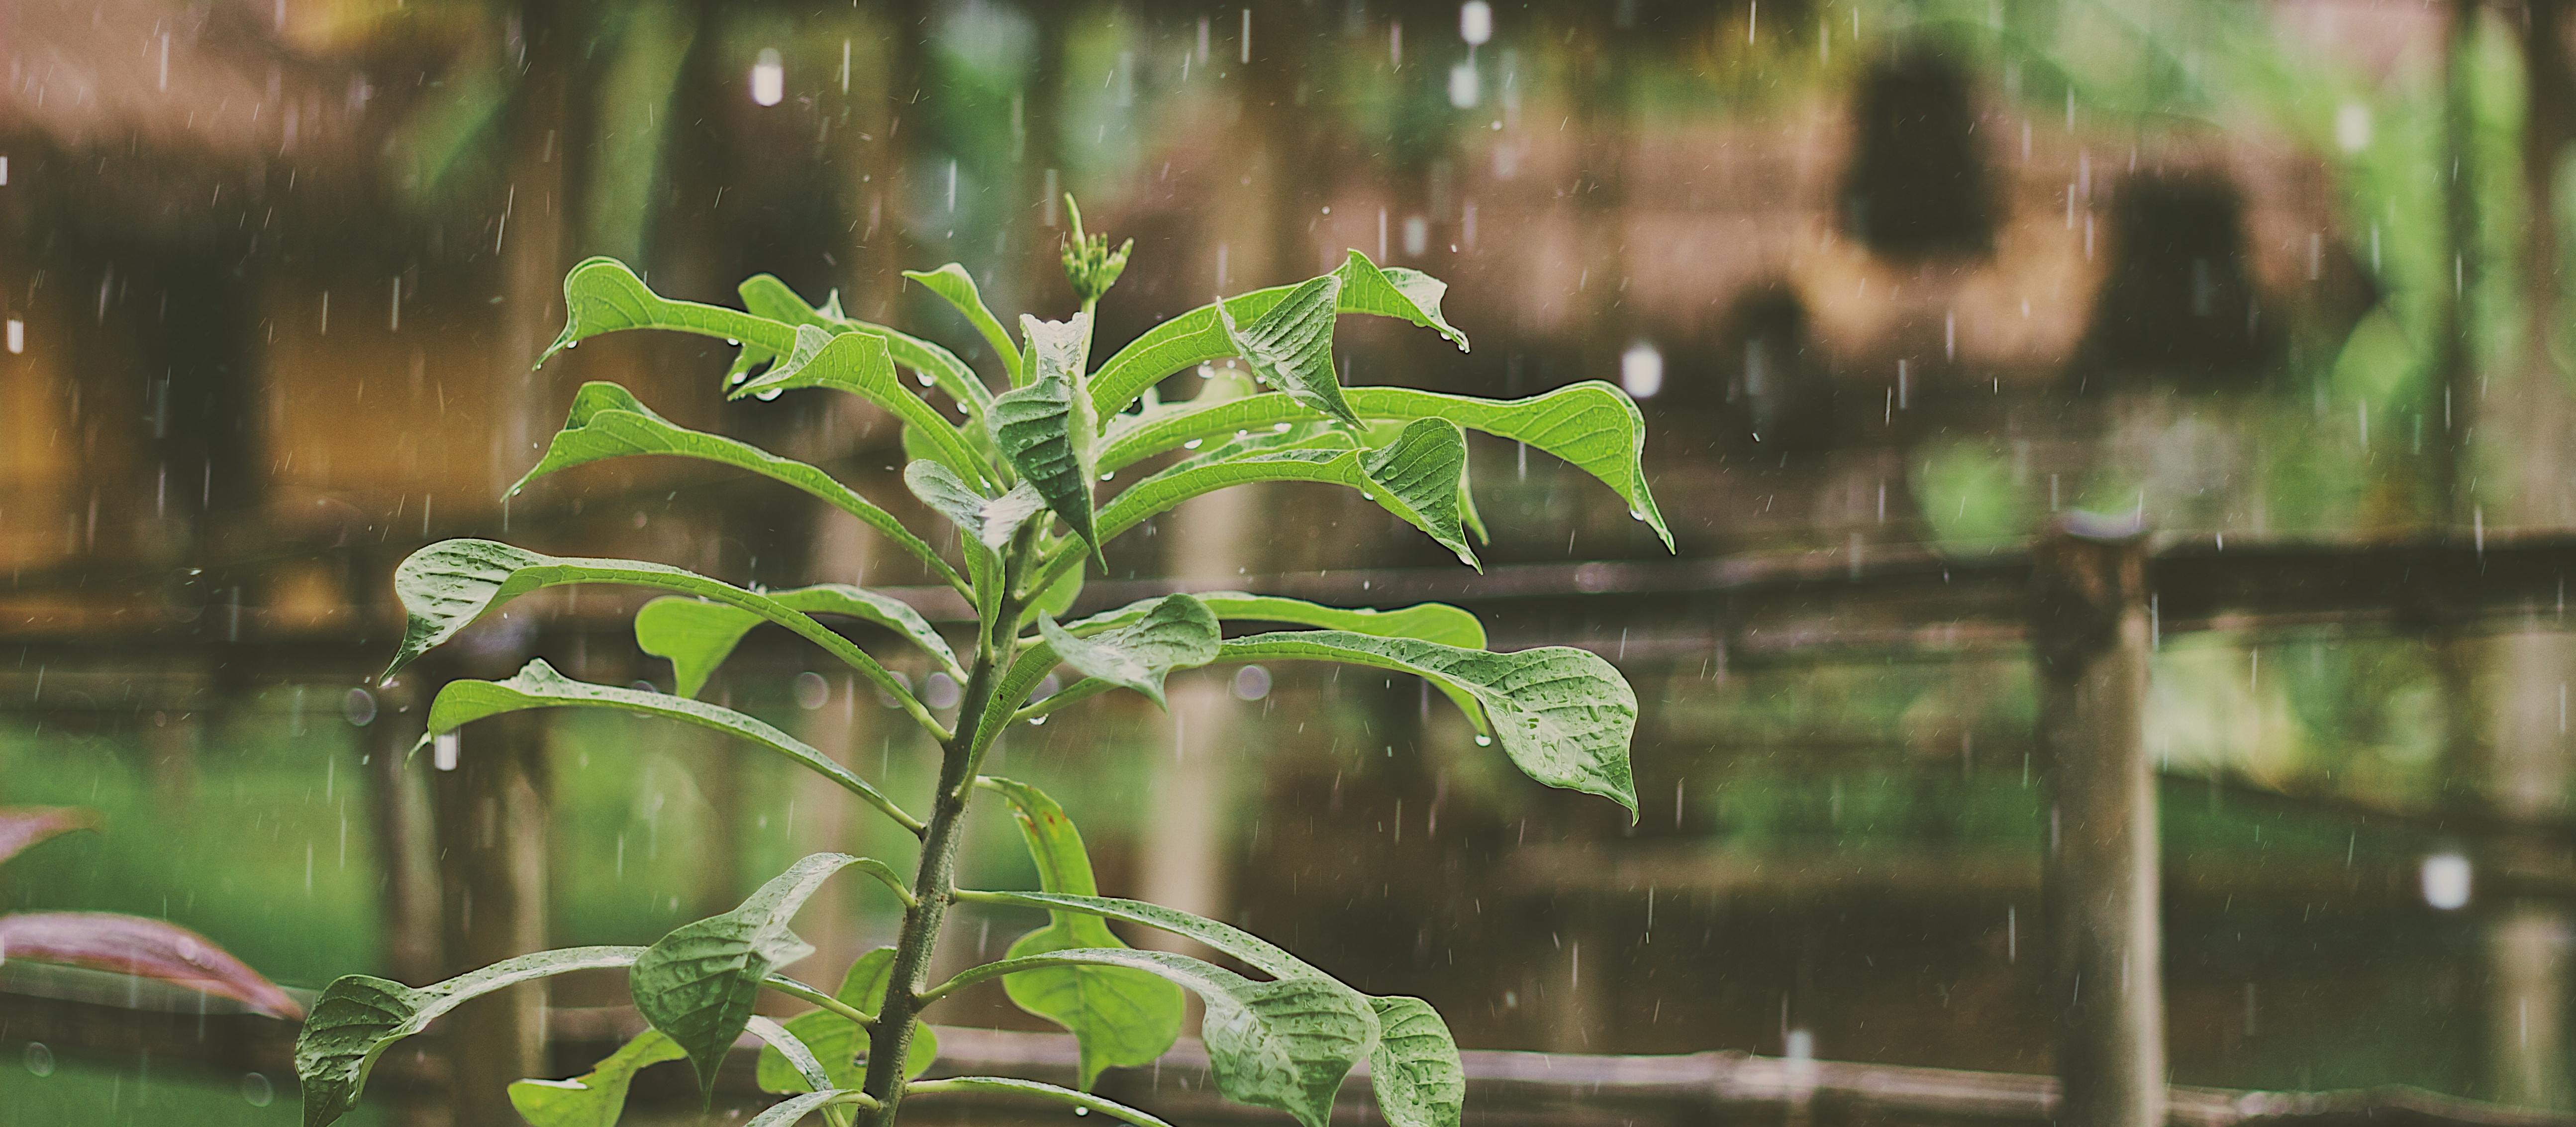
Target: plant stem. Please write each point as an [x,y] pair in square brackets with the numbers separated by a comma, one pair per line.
[934,885]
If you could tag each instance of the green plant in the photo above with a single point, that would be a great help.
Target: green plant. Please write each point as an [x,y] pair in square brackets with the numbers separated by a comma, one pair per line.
[1021,462]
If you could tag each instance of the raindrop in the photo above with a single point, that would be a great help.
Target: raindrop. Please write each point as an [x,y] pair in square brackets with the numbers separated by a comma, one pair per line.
[940,691]
[257,1091]
[1037,721]
[40,1060]
[1483,740]
[644,687]
[1275,428]
[767,395]
[442,751]
[812,691]
[729,343]
[923,378]
[1251,682]
[1194,444]
[359,706]
[1475,22]
[17,336]
[2446,881]
[1110,476]
[1641,370]
[1082,1111]
[768,78]
[1464,89]
[1637,514]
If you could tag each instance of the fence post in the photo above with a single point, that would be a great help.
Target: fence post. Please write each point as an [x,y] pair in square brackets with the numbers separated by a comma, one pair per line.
[2091,638]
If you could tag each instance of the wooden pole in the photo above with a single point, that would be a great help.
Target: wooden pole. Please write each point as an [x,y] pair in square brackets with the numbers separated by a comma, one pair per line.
[2092,639]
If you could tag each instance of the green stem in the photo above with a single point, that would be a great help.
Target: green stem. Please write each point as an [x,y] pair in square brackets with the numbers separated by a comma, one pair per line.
[934,885]
[795,989]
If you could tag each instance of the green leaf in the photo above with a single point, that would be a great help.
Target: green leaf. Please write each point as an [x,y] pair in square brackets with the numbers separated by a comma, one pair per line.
[1199,335]
[1430,622]
[358,1017]
[858,363]
[1414,1065]
[769,297]
[1593,425]
[696,636]
[988,522]
[448,585]
[1564,715]
[1415,477]
[792,1053]
[608,422]
[1396,292]
[602,295]
[697,984]
[1119,1018]
[957,287]
[839,1042]
[1046,429]
[1172,632]
[1008,1086]
[1291,347]
[597,1097]
[537,685]
[1283,1044]
[1256,952]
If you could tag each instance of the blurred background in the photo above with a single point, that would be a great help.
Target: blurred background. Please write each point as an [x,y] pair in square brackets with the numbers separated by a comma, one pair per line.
[1894,281]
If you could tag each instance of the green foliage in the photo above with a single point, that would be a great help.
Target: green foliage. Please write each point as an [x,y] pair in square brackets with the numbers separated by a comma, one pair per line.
[1016,476]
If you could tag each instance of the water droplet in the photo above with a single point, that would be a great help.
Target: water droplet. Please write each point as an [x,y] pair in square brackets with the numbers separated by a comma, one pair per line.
[768,78]
[1194,444]
[359,706]
[1279,428]
[257,1091]
[1636,514]
[1037,721]
[1483,740]
[644,687]
[442,751]
[923,378]
[572,344]
[1110,476]
[732,343]
[1251,682]
[769,394]
[940,691]
[812,691]
[1082,1111]
[40,1060]
[1243,434]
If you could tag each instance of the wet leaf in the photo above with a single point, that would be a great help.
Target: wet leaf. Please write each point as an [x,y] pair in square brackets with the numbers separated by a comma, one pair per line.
[1291,346]
[839,1042]
[697,984]
[1563,715]
[1046,429]
[957,287]
[1415,477]
[1414,1066]
[1284,1044]
[1172,632]
[603,295]
[358,1017]
[696,636]
[144,948]
[24,826]
[1199,336]
[607,422]
[1592,425]
[595,1098]
[858,363]
[537,685]
[767,296]
[1119,1017]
